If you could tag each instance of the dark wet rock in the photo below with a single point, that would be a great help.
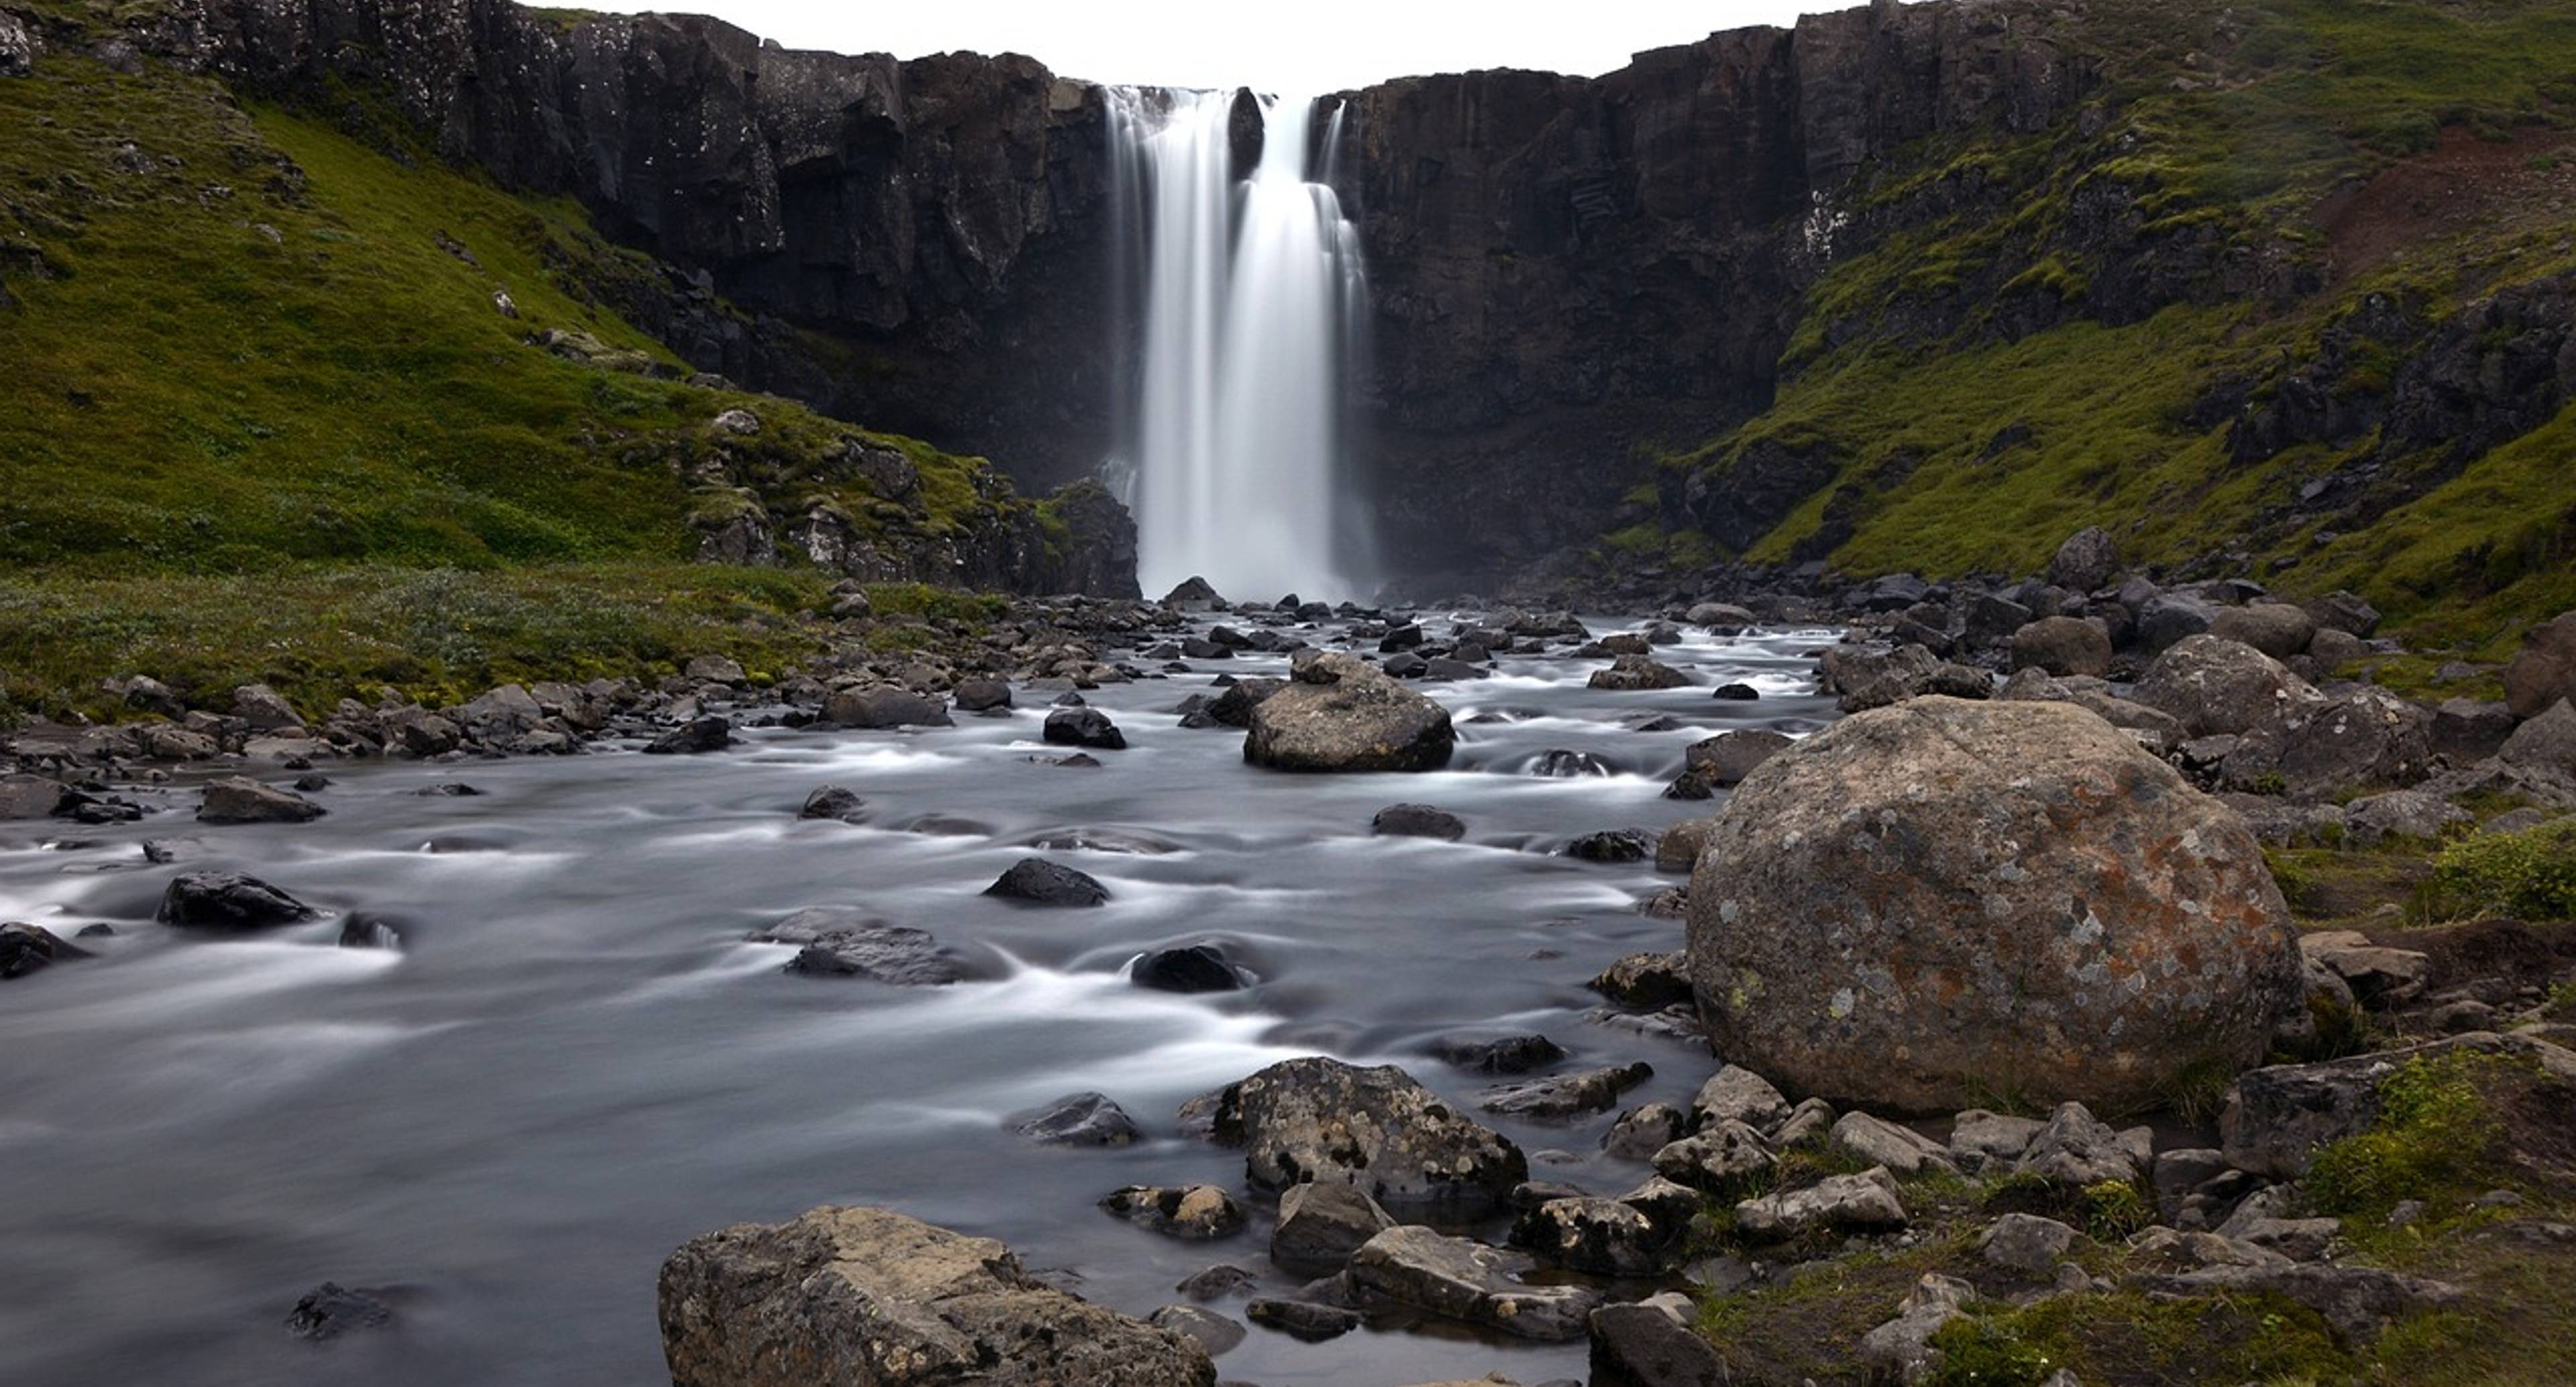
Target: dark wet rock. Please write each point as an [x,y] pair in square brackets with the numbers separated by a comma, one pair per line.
[1642,1131]
[1509,1054]
[834,802]
[1036,881]
[447,789]
[2091,860]
[1320,1119]
[2063,646]
[1217,1282]
[1126,841]
[1864,1203]
[1079,1119]
[1464,1280]
[1084,727]
[885,705]
[1611,845]
[1564,1097]
[238,799]
[368,930]
[2544,671]
[1636,673]
[1723,618]
[1206,1328]
[1648,1345]
[1194,968]
[1233,708]
[1645,982]
[1302,1319]
[1561,764]
[1196,1212]
[981,695]
[1725,759]
[1736,693]
[712,732]
[1080,760]
[860,1295]
[25,948]
[314,783]
[1418,821]
[845,942]
[1341,714]
[30,796]
[1320,1226]
[330,1310]
[229,902]
[1194,594]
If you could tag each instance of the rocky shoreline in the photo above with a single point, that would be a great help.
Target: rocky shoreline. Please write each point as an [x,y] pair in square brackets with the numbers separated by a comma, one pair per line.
[2017,897]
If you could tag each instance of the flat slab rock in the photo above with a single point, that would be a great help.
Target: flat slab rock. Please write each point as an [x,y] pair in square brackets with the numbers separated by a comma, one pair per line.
[1465,1280]
[865,1295]
[838,941]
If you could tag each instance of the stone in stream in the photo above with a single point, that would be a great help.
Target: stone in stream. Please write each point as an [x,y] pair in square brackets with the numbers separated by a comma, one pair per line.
[1612,845]
[884,705]
[1216,1282]
[834,802]
[1566,1096]
[1079,1119]
[1828,952]
[1302,1319]
[238,799]
[330,1310]
[1194,968]
[1341,714]
[1678,849]
[864,1295]
[1562,764]
[1233,708]
[1639,672]
[365,929]
[30,796]
[1464,1280]
[229,902]
[1725,759]
[1036,881]
[1736,693]
[1193,595]
[1317,1119]
[713,732]
[1197,1212]
[1417,821]
[1083,727]
[1320,1226]
[1645,982]
[845,942]
[1132,842]
[24,948]
[1208,1329]
[982,695]
[1509,1054]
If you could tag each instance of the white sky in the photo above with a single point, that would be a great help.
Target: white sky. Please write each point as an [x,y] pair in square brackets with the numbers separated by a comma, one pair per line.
[1300,49]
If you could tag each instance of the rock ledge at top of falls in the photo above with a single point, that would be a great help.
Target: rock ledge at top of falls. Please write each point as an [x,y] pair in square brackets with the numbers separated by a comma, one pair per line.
[1947,898]
[1341,713]
[864,1296]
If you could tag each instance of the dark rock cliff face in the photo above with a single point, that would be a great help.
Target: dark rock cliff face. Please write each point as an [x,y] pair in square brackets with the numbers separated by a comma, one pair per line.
[1570,275]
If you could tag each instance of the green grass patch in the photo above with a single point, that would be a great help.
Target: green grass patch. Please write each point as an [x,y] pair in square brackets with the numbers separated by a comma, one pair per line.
[2434,1136]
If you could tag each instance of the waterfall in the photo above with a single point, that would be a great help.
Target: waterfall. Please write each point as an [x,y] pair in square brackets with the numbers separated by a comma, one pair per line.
[1242,303]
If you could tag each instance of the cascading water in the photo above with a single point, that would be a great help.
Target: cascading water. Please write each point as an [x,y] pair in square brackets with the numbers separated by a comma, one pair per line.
[1249,295]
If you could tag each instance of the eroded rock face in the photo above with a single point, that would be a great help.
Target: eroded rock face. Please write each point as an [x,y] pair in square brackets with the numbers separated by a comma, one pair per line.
[1318,1119]
[1924,902]
[862,1297]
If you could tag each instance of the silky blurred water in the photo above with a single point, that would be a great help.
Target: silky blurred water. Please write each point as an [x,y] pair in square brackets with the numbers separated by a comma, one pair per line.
[576,1063]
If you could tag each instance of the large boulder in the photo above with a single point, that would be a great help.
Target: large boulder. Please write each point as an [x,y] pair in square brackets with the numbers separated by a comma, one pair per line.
[30,796]
[2063,645]
[861,1297]
[229,902]
[2087,560]
[238,799]
[1342,714]
[1947,899]
[1634,672]
[1318,1119]
[2212,685]
[2275,628]
[2361,739]
[885,705]
[2545,671]
[2546,742]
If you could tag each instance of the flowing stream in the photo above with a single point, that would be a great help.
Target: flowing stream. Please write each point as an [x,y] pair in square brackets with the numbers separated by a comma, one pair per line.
[1251,292]
[576,1063]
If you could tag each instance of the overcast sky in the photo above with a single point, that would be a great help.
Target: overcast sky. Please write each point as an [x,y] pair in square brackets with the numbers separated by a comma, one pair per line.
[1297,49]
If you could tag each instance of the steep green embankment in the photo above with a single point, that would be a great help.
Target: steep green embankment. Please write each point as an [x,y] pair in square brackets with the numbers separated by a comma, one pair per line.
[264,417]
[2231,313]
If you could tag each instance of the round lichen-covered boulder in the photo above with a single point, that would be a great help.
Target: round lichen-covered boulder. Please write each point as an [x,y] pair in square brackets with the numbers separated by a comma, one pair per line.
[1340,713]
[1937,902]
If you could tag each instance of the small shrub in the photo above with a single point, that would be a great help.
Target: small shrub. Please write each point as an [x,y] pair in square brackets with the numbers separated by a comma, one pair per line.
[2530,875]
[2114,1209]
[2435,1129]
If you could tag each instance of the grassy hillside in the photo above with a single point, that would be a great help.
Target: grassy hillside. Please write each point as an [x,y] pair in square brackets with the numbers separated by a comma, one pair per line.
[267,417]
[2024,336]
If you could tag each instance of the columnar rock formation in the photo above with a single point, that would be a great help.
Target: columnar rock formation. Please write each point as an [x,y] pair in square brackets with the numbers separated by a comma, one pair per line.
[1568,272]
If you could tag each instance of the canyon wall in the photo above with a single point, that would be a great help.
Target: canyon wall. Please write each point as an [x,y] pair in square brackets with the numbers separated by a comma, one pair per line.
[1570,275]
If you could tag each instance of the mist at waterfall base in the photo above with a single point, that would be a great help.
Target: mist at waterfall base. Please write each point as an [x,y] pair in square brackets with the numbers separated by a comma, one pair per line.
[1242,303]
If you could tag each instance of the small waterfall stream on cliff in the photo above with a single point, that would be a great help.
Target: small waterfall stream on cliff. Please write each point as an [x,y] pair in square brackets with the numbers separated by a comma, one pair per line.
[1248,294]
